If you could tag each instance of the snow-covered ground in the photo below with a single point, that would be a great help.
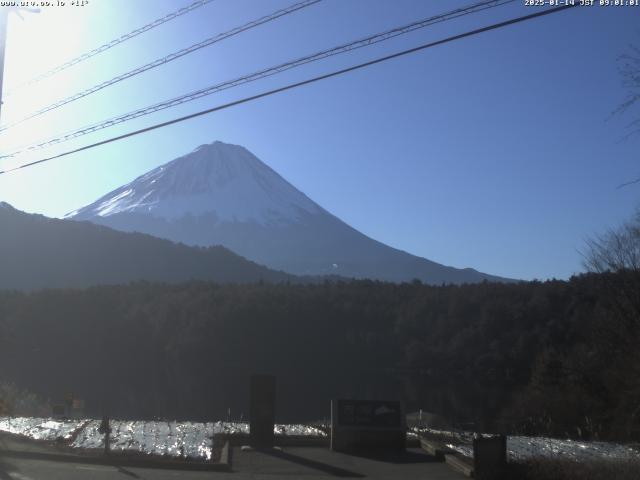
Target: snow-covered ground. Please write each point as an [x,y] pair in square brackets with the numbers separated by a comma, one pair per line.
[173,439]
[195,440]
[521,447]
[40,428]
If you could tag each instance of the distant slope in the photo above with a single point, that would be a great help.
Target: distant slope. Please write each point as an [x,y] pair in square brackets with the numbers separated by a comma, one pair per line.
[222,194]
[39,252]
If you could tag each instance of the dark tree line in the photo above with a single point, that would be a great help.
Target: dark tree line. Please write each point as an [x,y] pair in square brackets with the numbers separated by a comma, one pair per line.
[553,357]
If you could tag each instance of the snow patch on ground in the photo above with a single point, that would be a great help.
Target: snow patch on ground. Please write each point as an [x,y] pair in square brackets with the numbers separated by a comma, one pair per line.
[192,440]
[521,448]
[195,439]
[173,439]
[40,428]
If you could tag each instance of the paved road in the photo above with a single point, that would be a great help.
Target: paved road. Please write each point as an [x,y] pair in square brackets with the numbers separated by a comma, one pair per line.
[321,463]
[290,463]
[24,469]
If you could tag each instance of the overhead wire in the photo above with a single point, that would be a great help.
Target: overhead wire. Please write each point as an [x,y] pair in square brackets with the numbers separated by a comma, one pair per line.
[299,84]
[102,48]
[343,48]
[166,59]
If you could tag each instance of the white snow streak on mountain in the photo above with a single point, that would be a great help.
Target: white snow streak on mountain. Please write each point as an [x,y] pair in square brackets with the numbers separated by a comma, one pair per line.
[219,178]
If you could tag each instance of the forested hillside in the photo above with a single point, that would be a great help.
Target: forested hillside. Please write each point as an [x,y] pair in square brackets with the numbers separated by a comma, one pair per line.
[554,357]
[39,252]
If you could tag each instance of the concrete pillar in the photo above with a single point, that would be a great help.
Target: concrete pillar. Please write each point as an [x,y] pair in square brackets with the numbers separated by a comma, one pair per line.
[489,457]
[262,415]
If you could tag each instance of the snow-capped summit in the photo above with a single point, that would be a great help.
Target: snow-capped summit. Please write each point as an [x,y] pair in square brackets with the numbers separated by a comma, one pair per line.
[221,179]
[221,194]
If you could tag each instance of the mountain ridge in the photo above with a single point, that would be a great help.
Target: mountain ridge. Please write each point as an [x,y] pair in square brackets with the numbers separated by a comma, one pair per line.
[38,252]
[223,194]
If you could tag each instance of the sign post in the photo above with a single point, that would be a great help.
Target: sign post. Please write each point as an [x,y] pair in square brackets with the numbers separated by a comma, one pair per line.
[366,425]
[105,429]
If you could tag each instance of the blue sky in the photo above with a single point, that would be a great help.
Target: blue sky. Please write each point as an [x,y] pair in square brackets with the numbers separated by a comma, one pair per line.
[495,152]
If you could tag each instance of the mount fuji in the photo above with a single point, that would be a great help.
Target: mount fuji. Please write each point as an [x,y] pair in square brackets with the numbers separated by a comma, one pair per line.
[222,194]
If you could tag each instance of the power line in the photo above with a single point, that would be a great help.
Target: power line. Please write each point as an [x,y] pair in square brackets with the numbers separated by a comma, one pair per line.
[166,59]
[363,42]
[112,43]
[291,86]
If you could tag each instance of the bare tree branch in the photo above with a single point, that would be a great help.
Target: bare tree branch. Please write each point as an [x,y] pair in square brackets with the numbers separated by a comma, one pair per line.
[626,184]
